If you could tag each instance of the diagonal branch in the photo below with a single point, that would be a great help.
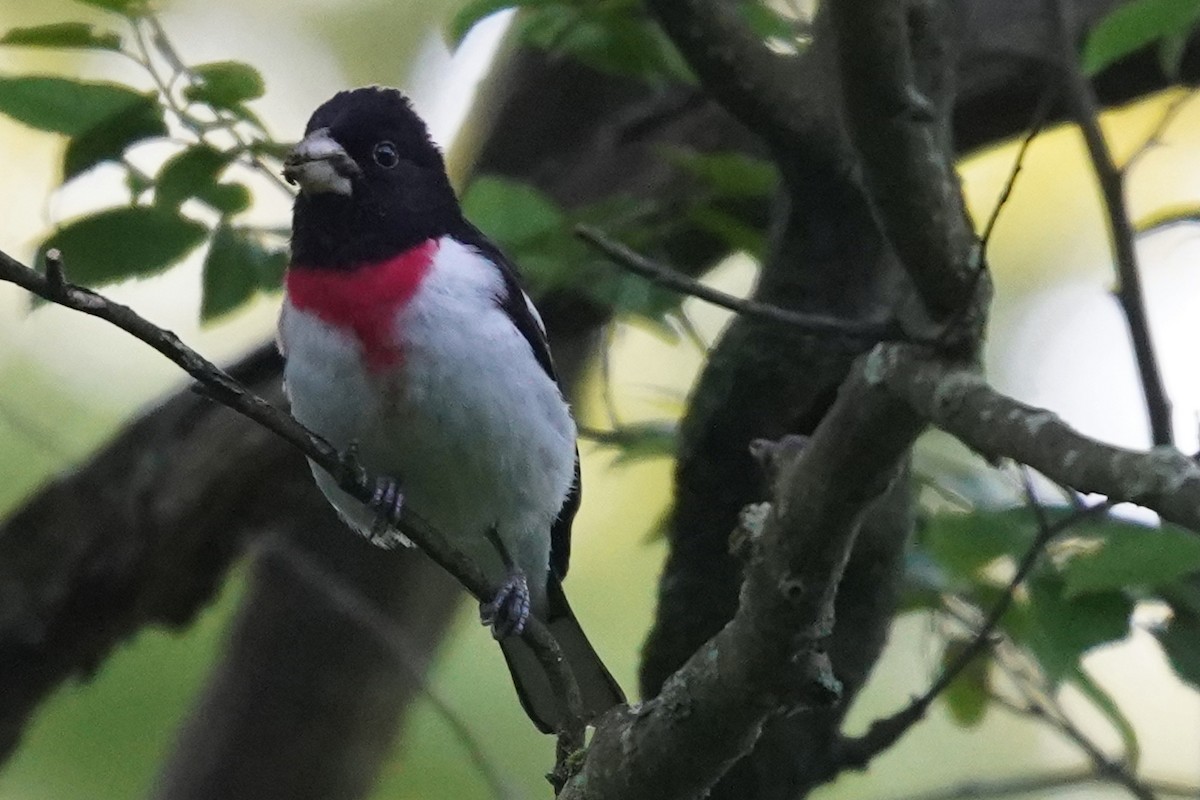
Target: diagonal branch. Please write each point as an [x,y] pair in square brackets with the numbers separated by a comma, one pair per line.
[957,399]
[894,66]
[816,324]
[856,753]
[1025,785]
[1081,99]
[770,658]
[351,477]
[764,90]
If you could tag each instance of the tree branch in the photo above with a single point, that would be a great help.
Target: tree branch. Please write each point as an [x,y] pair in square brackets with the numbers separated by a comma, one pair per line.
[894,68]
[816,324]
[957,399]
[764,90]
[1106,768]
[351,477]
[858,752]
[1029,784]
[770,658]
[1085,110]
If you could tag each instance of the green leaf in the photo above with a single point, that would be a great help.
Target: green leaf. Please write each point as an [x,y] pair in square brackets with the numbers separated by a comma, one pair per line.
[225,84]
[537,235]
[123,242]
[270,269]
[63,34]
[1063,629]
[228,198]
[127,7]
[729,228]
[230,271]
[61,105]
[765,21]
[967,696]
[476,11]
[276,150]
[1180,640]
[1132,26]
[965,543]
[1126,554]
[729,174]
[614,38]
[110,138]
[641,441]
[511,212]
[191,173]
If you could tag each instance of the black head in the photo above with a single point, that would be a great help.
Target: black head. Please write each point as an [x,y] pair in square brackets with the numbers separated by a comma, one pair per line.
[372,183]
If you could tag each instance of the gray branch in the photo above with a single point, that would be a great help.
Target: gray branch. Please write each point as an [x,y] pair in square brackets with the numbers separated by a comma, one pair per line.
[957,399]
[771,658]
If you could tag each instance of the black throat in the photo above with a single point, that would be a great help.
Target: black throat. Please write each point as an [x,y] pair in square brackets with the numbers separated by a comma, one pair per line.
[337,232]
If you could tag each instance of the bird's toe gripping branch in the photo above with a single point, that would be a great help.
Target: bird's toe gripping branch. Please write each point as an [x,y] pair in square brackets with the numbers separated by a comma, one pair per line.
[508,611]
[387,503]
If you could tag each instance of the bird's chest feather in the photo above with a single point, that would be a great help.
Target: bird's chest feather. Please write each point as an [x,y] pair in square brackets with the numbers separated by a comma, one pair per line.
[434,383]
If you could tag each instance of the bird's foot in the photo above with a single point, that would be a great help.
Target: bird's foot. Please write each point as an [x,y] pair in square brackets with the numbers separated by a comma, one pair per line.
[508,611]
[388,505]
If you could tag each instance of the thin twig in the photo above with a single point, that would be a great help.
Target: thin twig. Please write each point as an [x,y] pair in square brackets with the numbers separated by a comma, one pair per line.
[1040,114]
[1155,139]
[1085,109]
[1008,787]
[1028,784]
[959,400]
[198,128]
[1105,768]
[816,324]
[350,476]
[856,753]
[354,605]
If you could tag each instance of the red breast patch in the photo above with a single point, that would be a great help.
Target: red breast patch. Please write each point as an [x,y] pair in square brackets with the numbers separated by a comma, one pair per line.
[363,300]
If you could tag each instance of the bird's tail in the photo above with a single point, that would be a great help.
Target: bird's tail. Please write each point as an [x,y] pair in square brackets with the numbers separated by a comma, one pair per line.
[600,692]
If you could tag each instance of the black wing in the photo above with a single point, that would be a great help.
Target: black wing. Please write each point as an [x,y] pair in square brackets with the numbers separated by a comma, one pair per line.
[516,305]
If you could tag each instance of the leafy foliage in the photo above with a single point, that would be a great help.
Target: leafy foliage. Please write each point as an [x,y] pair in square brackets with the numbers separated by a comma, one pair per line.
[61,105]
[1124,555]
[63,34]
[225,84]
[103,122]
[110,138]
[967,697]
[127,7]
[613,36]
[638,441]
[539,237]
[1080,595]
[238,264]
[133,241]
[1132,26]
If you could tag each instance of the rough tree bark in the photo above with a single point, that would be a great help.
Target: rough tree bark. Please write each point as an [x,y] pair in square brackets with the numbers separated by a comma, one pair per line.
[143,533]
[758,382]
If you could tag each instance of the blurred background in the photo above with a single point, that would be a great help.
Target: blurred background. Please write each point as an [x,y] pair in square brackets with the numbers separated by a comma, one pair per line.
[1057,339]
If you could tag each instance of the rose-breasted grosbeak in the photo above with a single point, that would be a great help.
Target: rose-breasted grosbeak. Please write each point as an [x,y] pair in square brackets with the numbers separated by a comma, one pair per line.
[408,338]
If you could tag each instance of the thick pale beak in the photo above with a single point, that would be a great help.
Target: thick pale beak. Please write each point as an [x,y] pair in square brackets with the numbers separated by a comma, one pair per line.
[319,164]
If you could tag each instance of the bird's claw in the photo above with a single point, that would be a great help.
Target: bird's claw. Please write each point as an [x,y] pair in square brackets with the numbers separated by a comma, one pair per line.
[508,611]
[387,503]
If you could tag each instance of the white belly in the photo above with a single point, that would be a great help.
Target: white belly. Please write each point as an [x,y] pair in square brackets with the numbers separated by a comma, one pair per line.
[468,423]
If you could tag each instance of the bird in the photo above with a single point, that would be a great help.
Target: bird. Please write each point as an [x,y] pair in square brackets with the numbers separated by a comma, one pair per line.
[409,342]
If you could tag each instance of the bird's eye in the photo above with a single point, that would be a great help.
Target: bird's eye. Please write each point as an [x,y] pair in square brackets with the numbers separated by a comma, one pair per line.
[385,155]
